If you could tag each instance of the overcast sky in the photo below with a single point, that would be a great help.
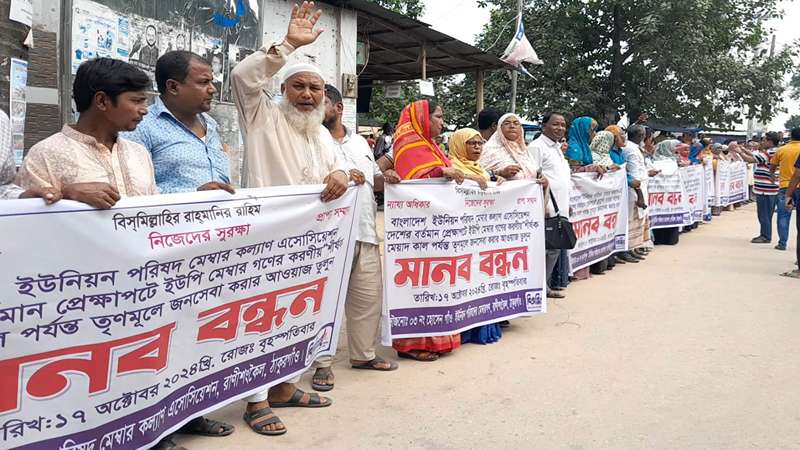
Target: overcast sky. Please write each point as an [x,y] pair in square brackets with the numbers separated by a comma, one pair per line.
[463,19]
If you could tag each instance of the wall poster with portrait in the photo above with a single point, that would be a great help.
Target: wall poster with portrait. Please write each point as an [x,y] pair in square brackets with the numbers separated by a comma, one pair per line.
[139,31]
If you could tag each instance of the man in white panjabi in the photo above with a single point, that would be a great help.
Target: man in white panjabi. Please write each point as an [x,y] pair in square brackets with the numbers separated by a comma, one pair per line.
[285,144]
[364,303]
[638,234]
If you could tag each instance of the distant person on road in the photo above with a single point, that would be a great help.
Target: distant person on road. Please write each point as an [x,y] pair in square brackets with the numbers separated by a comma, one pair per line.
[793,200]
[792,197]
[784,160]
[766,184]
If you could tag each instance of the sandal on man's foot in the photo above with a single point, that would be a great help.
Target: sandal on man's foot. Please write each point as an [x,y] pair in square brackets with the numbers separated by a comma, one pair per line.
[313,401]
[206,427]
[323,379]
[419,355]
[167,444]
[376,363]
[553,294]
[792,274]
[259,426]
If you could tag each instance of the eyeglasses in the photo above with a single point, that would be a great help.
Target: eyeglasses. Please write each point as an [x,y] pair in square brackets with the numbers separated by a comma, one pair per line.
[475,143]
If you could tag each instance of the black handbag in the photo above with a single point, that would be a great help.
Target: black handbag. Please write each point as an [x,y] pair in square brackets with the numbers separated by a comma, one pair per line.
[558,231]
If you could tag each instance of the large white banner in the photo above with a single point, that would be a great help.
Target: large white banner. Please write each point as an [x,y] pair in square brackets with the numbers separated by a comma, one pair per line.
[118,326]
[599,216]
[457,257]
[694,184]
[667,203]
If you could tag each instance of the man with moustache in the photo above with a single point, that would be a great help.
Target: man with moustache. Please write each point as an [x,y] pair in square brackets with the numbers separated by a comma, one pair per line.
[285,144]
[182,138]
[546,149]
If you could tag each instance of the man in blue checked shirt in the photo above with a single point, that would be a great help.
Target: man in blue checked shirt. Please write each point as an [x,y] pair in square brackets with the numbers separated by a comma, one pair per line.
[187,155]
[182,138]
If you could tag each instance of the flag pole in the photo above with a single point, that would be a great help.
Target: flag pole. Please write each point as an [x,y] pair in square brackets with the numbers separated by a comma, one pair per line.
[514,73]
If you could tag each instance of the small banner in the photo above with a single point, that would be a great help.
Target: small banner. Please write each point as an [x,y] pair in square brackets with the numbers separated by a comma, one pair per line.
[599,216]
[667,202]
[457,257]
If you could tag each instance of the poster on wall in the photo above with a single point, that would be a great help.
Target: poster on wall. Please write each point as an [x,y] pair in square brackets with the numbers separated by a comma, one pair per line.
[98,32]
[211,48]
[222,32]
[18,106]
[21,11]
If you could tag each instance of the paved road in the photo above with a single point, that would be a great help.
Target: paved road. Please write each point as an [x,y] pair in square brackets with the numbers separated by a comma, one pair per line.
[698,348]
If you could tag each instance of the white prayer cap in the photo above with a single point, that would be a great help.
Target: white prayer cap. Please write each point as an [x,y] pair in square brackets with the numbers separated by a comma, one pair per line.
[294,69]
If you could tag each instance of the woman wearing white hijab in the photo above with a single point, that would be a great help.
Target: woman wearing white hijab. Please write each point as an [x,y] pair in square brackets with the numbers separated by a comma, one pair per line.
[505,153]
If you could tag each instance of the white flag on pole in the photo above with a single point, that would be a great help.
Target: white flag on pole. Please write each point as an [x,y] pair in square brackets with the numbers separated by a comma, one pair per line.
[519,50]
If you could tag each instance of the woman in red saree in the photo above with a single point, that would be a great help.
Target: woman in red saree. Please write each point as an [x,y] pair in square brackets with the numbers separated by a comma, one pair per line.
[414,151]
[416,155]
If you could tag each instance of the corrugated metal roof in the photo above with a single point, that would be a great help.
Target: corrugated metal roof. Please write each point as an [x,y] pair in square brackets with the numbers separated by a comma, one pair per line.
[396,41]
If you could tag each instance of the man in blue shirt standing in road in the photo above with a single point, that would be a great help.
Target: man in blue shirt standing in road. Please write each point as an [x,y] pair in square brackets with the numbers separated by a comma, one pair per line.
[181,136]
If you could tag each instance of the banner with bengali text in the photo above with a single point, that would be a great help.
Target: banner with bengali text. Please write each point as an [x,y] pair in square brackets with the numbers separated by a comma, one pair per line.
[722,184]
[599,216]
[119,326]
[694,184]
[457,257]
[708,169]
[667,203]
[738,190]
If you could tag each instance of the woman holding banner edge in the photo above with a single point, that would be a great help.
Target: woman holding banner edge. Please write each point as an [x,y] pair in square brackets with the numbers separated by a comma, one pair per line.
[415,155]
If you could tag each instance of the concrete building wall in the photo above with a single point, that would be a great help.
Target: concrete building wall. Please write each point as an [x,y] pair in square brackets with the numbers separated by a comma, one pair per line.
[49,86]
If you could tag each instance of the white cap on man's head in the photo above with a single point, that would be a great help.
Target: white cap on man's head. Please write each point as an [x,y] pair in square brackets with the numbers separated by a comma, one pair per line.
[294,69]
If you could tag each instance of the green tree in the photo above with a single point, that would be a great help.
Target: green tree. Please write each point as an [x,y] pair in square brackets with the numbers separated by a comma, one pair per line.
[410,8]
[793,122]
[794,85]
[703,64]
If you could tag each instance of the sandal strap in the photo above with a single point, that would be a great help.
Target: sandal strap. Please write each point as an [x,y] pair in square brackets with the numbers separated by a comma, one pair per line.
[297,396]
[314,399]
[323,374]
[374,362]
[271,421]
[214,426]
[251,416]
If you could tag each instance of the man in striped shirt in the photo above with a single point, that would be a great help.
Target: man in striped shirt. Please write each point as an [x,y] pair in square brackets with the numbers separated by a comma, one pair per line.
[766,184]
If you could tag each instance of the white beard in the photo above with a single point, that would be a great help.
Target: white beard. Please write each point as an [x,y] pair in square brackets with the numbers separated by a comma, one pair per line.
[307,123]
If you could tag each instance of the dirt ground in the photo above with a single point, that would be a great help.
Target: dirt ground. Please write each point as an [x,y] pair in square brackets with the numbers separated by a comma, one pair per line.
[697,348]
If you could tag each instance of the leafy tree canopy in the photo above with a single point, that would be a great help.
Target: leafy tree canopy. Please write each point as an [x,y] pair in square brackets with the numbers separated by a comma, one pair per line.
[704,62]
[793,122]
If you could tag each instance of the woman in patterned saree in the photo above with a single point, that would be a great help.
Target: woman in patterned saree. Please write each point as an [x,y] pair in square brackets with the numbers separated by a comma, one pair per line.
[416,156]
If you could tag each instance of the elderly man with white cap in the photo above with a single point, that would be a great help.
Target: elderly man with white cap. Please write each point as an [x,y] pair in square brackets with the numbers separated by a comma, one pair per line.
[285,144]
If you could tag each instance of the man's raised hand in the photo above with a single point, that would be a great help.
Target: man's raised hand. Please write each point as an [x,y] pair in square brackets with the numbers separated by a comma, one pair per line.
[301,26]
